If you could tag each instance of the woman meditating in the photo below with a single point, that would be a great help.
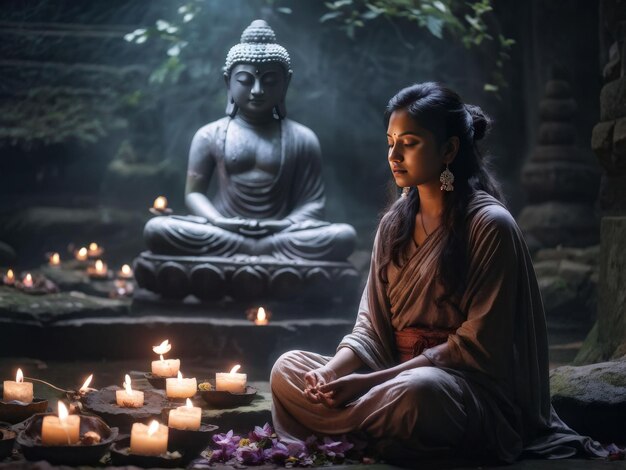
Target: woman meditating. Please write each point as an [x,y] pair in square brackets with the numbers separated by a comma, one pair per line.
[450,339]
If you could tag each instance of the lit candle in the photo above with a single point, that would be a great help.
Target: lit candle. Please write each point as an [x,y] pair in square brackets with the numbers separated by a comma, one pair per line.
[9,278]
[180,388]
[148,440]
[55,260]
[18,390]
[261,317]
[94,250]
[232,381]
[81,255]
[185,417]
[98,270]
[125,272]
[60,430]
[129,398]
[160,203]
[28,281]
[85,388]
[165,367]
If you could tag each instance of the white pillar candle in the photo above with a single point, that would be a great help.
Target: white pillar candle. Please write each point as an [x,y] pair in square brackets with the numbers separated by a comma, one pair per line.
[148,440]
[60,430]
[180,388]
[185,417]
[18,390]
[166,367]
[231,381]
[129,398]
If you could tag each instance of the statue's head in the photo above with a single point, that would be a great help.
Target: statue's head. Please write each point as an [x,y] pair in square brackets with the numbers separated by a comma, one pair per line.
[257,73]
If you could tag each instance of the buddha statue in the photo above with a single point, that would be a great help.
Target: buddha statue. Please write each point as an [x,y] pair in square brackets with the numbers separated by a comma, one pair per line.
[269,198]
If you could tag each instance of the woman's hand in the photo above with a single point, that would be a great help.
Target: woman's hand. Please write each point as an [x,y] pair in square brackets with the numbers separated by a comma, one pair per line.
[345,389]
[314,379]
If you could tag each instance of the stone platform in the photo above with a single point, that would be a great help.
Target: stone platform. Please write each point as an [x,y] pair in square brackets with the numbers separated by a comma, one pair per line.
[243,277]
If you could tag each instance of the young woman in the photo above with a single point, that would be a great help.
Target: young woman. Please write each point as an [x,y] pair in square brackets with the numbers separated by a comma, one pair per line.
[451,330]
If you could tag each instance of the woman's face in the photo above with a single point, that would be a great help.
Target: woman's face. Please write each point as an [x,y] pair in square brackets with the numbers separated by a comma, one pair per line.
[415,157]
[257,88]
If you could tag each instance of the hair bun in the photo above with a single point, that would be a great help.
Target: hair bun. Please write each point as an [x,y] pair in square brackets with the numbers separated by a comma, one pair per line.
[480,121]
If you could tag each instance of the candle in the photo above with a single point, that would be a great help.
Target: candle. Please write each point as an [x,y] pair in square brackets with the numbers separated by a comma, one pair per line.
[231,382]
[27,282]
[98,270]
[62,430]
[18,390]
[85,388]
[163,367]
[160,203]
[180,388]
[55,260]
[125,272]
[94,250]
[81,255]
[185,417]
[148,440]
[261,317]
[129,398]
[9,278]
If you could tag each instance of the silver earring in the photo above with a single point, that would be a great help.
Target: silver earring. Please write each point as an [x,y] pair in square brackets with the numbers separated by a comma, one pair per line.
[447,178]
[405,192]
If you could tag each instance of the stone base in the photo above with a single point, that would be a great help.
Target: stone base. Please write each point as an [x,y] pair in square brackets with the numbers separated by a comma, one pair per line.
[245,277]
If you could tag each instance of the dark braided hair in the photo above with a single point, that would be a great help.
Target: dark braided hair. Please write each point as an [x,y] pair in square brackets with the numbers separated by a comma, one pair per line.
[441,111]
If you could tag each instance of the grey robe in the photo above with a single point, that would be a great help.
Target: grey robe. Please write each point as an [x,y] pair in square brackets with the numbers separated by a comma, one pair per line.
[488,389]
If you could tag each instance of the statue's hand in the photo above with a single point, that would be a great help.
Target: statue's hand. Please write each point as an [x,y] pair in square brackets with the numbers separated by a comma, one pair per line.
[232,224]
[275,226]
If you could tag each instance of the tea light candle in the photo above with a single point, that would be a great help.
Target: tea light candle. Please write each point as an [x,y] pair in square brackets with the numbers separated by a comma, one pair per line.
[125,272]
[261,317]
[27,282]
[185,417]
[94,250]
[60,430]
[231,381]
[9,278]
[180,388]
[148,440]
[81,255]
[18,390]
[128,398]
[160,203]
[98,270]
[163,367]
[55,260]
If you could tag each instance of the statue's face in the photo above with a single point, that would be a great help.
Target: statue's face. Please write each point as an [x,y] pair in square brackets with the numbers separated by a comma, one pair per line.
[257,89]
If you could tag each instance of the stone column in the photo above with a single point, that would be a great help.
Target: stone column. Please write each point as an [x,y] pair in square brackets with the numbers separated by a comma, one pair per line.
[608,337]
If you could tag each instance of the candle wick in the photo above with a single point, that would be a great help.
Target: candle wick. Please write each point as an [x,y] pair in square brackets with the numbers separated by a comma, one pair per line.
[48,384]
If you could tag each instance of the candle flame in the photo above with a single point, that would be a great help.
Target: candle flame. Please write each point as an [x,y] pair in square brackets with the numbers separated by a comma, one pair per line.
[99,265]
[180,377]
[28,280]
[188,403]
[82,253]
[127,386]
[235,369]
[261,315]
[19,377]
[86,384]
[160,202]
[161,356]
[154,427]
[55,258]
[93,247]
[126,270]
[162,348]
[10,275]
[62,411]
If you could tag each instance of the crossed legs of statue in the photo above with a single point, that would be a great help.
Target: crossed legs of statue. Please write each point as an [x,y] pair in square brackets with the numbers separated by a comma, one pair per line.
[192,236]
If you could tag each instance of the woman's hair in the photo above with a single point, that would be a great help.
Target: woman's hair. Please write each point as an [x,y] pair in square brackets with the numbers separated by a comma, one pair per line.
[441,111]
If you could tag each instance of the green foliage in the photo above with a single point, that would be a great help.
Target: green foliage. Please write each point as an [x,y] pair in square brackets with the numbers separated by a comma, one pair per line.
[52,115]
